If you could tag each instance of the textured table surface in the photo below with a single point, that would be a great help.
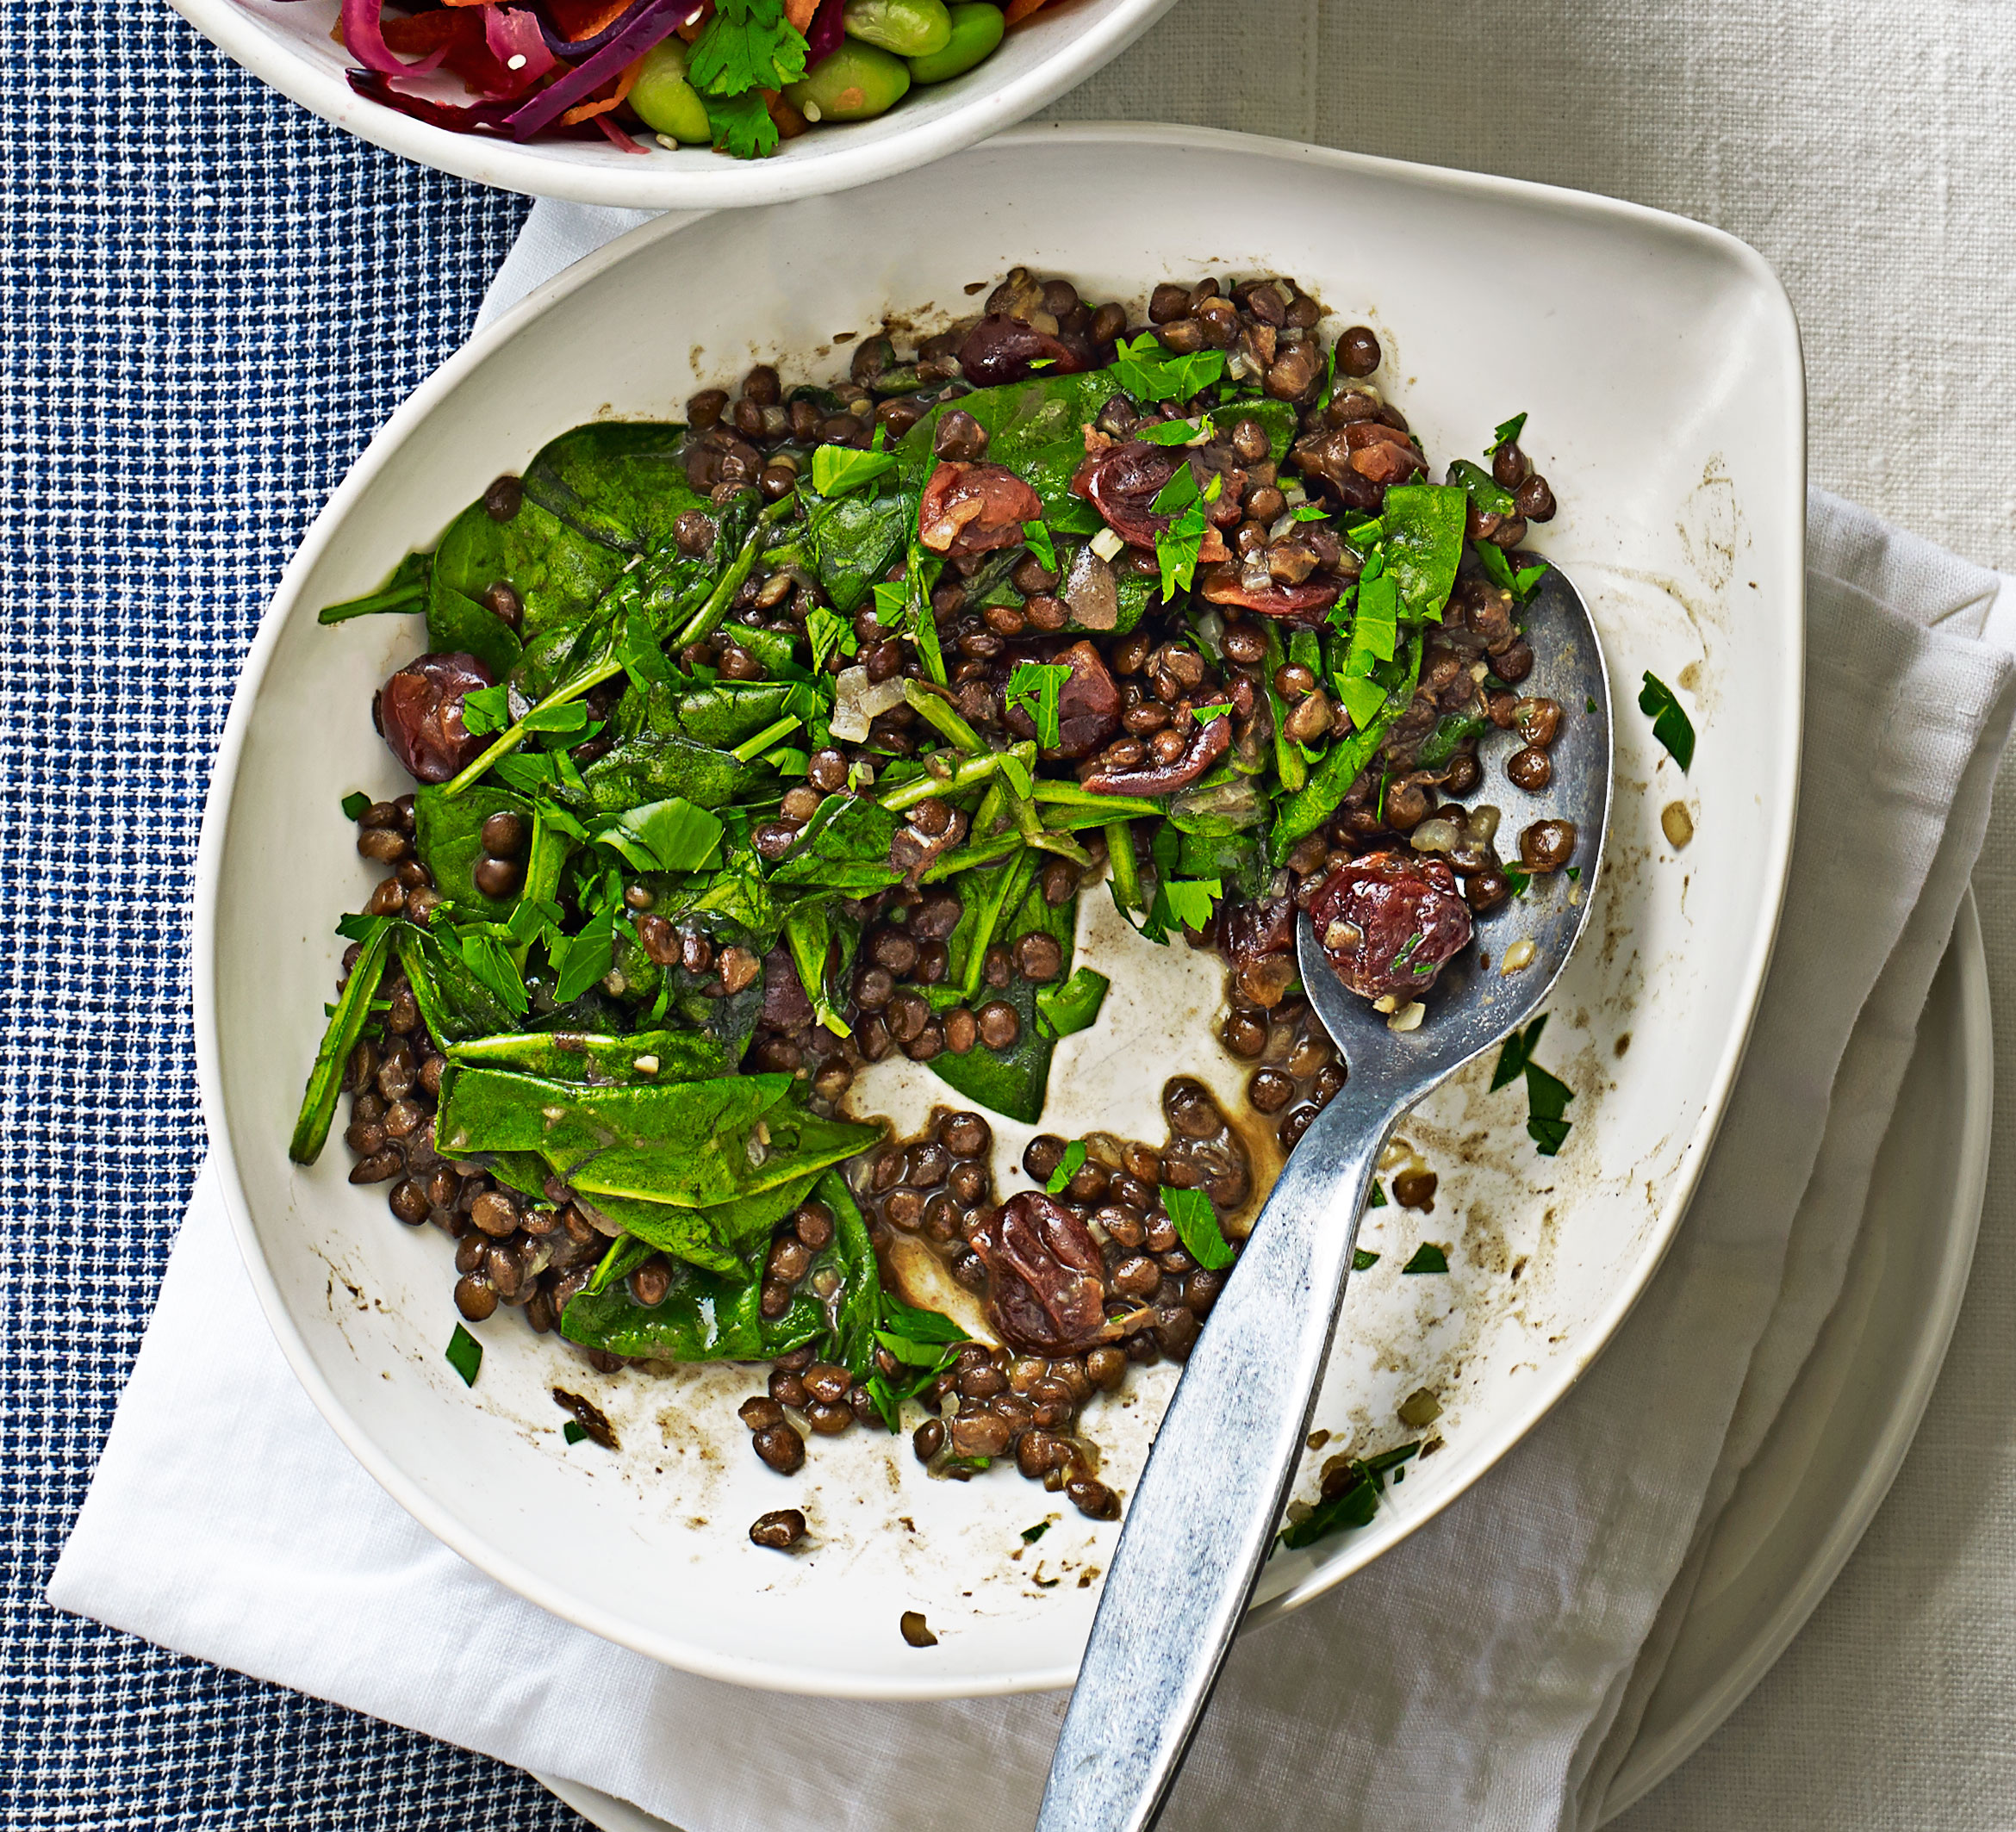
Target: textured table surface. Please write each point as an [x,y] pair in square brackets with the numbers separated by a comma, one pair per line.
[208,302]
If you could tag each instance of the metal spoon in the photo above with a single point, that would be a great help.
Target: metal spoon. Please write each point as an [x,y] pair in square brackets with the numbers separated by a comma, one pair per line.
[1201,1520]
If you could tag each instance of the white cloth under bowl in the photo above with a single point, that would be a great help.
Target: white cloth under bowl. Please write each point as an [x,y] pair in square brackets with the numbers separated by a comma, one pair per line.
[1489,1673]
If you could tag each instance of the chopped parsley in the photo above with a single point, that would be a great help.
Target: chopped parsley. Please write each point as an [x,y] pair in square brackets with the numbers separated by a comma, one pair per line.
[1174,431]
[1522,584]
[748,45]
[827,632]
[1034,687]
[1506,434]
[1068,1166]
[1355,1503]
[837,470]
[465,1354]
[574,1431]
[1361,1259]
[1197,1227]
[1030,1535]
[1149,373]
[1378,1198]
[1671,724]
[1037,536]
[1427,1258]
[1546,1096]
[356,804]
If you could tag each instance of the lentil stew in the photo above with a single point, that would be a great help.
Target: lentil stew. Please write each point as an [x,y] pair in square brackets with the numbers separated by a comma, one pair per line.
[759,747]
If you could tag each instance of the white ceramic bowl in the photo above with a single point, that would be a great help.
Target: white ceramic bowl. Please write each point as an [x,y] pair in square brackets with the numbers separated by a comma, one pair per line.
[1660,364]
[287,43]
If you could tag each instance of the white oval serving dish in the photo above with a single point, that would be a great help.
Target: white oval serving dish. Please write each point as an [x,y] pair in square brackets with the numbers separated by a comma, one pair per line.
[287,43]
[1660,364]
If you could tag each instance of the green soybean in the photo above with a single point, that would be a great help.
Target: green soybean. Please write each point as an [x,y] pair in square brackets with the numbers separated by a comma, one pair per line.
[909,28]
[857,82]
[976,30]
[665,102]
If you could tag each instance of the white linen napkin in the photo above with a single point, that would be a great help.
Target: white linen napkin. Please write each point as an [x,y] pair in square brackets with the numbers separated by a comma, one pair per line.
[1490,1672]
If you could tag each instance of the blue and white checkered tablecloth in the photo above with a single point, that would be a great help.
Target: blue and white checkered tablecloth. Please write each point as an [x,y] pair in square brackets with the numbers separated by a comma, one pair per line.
[208,300]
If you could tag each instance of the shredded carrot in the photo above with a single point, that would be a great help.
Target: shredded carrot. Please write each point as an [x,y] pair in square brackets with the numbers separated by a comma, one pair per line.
[1018,10]
[588,110]
[790,122]
[575,20]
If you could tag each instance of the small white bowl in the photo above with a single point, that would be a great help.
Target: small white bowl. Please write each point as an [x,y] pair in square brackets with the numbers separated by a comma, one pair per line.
[287,43]
[1660,364]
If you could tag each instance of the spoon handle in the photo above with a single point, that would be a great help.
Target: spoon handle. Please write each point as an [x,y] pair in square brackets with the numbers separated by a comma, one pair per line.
[1202,1518]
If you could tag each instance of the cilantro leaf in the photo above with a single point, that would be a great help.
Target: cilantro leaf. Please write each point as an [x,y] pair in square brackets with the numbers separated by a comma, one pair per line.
[1068,1166]
[747,45]
[1034,687]
[1671,724]
[742,124]
[1197,1227]
[1145,370]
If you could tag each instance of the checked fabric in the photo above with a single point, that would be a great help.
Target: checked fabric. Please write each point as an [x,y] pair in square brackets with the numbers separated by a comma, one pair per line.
[208,300]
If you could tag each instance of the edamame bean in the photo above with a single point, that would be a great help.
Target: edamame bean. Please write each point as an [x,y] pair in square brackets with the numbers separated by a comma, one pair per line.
[976,30]
[909,28]
[665,102]
[857,82]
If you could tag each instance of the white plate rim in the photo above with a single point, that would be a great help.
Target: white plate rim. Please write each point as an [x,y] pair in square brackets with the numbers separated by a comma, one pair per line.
[1748,974]
[1647,1765]
[1646,1768]
[702,184]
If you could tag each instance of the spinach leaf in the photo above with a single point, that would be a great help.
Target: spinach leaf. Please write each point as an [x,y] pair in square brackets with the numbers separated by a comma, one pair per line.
[711,1316]
[717,1238]
[580,1056]
[626,1253]
[691,1143]
[655,767]
[1013,1081]
[1422,545]
[406,590]
[453,1003]
[1452,730]
[844,846]
[1036,428]
[1482,489]
[558,573]
[1236,860]
[718,713]
[1318,798]
[671,836]
[346,1025]
[619,482]
[1073,1004]
[448,838]
[855,540]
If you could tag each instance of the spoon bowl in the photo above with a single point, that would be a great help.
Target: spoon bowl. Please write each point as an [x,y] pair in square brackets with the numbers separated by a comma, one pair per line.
[1203,1519]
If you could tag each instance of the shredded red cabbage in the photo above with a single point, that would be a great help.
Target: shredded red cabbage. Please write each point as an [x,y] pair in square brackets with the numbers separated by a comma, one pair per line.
[593,42]
[477,117]
[822,37]
[652,23]
[518,32]
[363,36]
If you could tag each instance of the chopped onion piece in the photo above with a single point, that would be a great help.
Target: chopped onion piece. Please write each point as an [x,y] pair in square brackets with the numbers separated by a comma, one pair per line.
[1520,955]
[1434,835]
[856,701]
[1107,544]
[1409,1016]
